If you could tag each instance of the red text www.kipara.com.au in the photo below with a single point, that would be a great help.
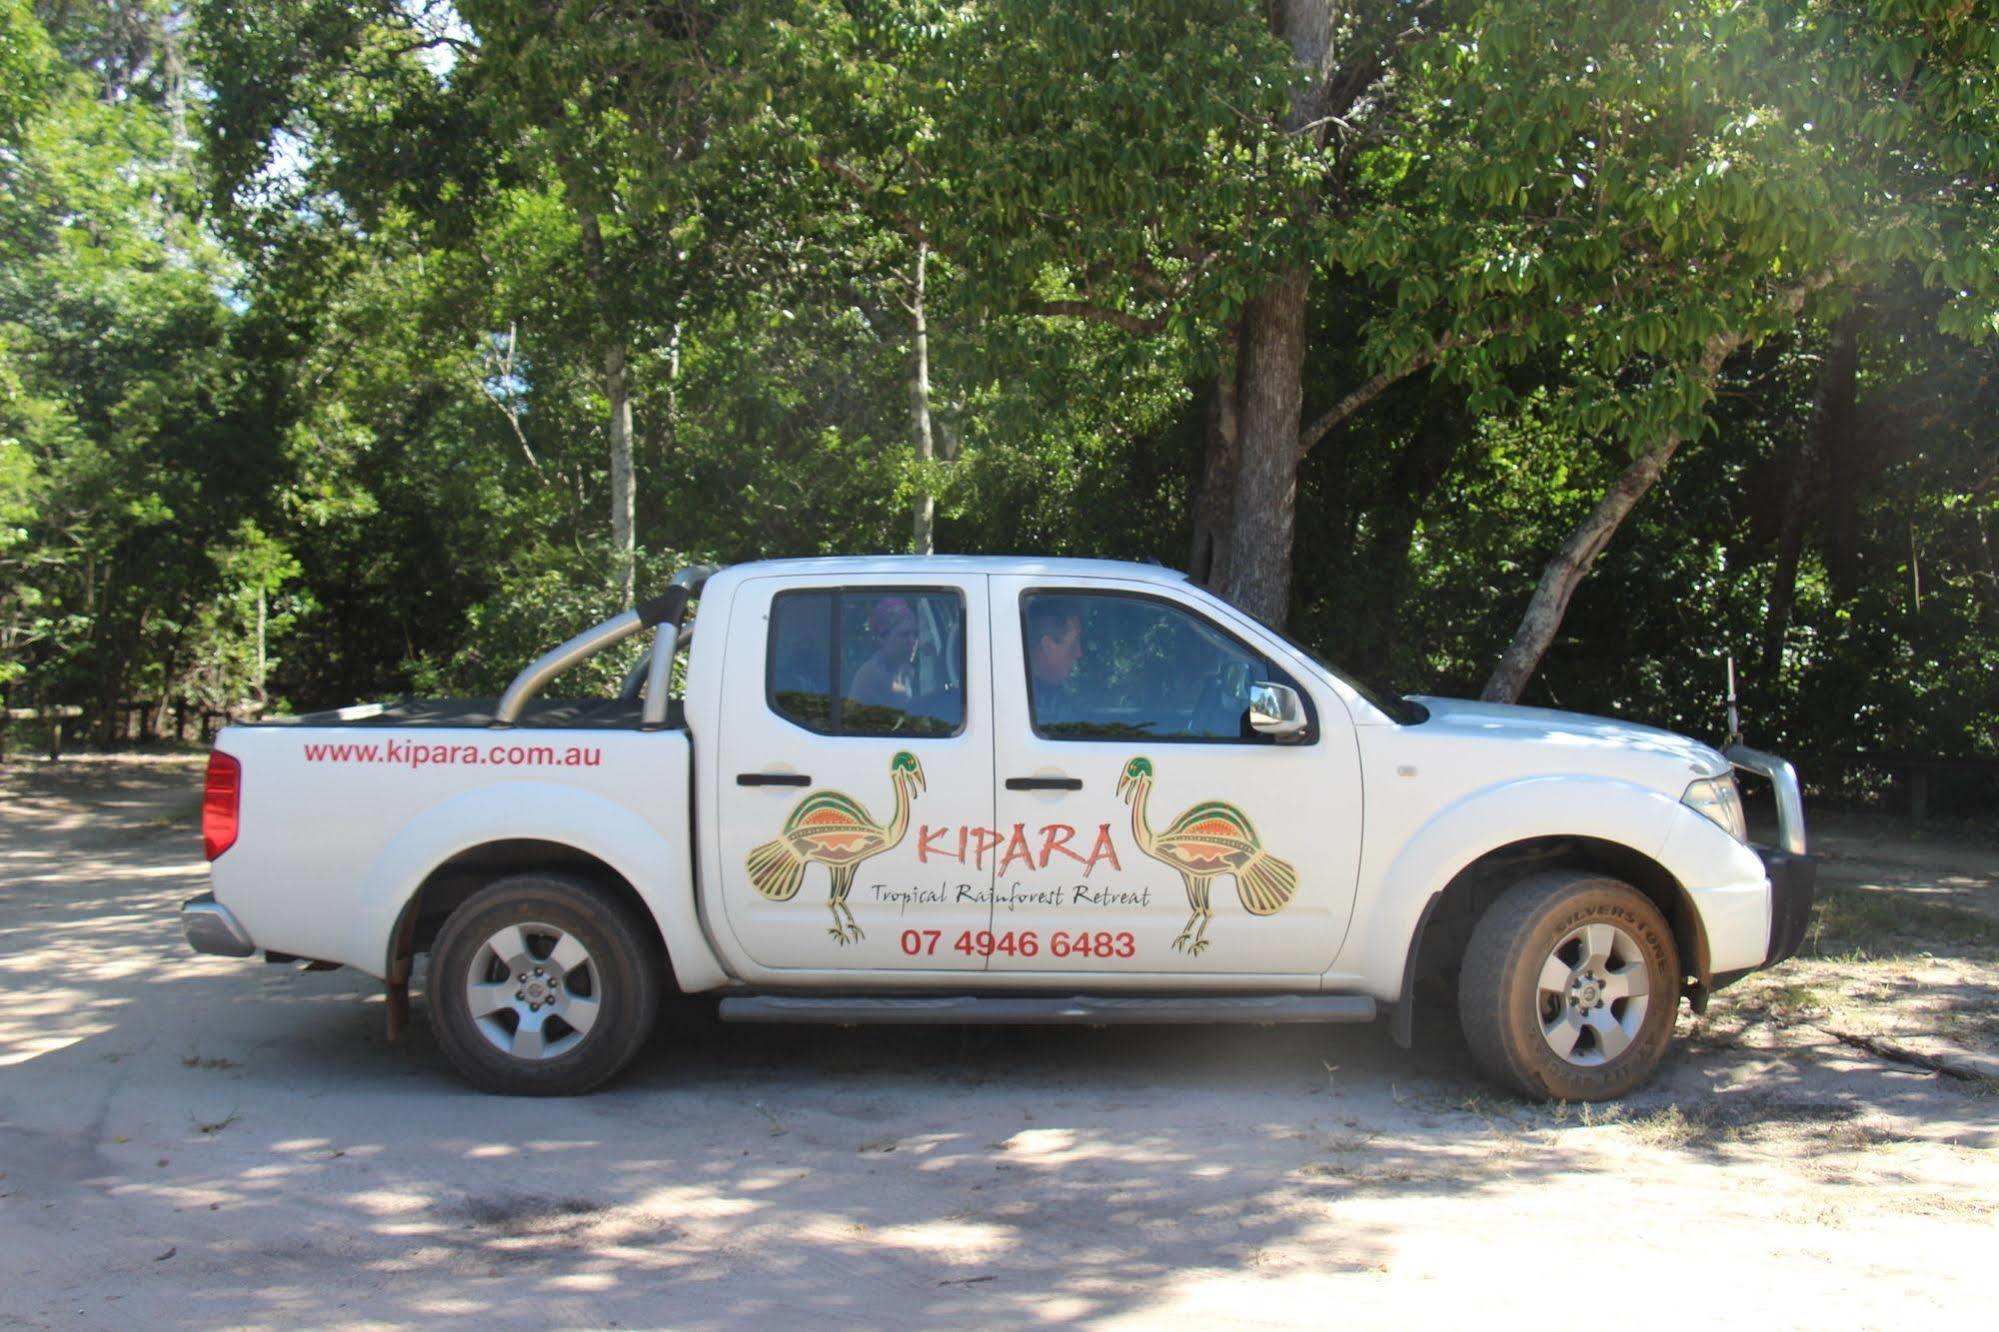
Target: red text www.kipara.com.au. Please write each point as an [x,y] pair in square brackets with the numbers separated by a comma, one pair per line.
[419,754]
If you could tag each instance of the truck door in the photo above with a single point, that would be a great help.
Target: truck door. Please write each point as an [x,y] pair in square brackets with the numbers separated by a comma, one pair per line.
[856,786]
[1151,829]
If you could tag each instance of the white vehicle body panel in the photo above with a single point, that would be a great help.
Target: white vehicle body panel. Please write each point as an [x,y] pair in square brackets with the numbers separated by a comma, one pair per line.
[894,890]
[334,845]
[1477,777]
[1378,816]
[1303,800]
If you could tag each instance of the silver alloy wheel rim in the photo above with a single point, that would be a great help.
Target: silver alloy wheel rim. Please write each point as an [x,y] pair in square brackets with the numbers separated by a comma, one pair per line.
[1593,994]
[533,991]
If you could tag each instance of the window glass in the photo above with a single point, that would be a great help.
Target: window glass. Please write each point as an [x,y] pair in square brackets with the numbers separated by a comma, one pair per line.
[897,654]
[1105,666]
[801,658]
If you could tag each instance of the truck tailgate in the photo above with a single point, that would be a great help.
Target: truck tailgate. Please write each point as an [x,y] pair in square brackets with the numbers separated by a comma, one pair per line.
[340,825]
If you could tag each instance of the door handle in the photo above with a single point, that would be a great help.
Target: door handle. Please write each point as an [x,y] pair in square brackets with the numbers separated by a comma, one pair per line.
[772,779]
[1044,783]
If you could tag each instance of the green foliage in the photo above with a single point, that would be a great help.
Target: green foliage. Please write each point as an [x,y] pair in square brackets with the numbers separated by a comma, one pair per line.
[1126,158]
[303,328]
[128,411]
[27,66]
[1628,186]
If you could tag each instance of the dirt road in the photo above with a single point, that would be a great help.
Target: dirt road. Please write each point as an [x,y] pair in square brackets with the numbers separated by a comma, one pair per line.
[196,1141]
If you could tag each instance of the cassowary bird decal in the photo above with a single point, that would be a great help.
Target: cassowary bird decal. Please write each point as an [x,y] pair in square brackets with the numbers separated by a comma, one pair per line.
[1210,840]
[832,829]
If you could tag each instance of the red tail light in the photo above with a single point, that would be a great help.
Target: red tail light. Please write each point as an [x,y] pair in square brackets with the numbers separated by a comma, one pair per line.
[220,799]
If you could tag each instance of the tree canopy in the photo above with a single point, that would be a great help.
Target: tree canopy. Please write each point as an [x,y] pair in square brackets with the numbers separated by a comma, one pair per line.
[358,347]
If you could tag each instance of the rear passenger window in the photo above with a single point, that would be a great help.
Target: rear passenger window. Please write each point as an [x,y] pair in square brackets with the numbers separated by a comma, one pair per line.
[872,661]
[801,658]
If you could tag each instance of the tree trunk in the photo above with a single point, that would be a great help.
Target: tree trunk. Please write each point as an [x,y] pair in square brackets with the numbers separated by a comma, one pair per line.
[1214,502]
[1915,570]
[107,634]
[617,387]
[1989,573]
[673,389]
[1851,464]
[1571,564]
[624,506]
[925,520]
[263,657]
[1826,435]
[1566,571]
[1270,381]
[1270,397]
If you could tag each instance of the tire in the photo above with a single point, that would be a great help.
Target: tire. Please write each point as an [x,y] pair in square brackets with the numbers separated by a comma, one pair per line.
[1559,960]
[558,1031]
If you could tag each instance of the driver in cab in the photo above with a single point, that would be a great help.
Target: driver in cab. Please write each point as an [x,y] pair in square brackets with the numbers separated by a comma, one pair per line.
[1054,647]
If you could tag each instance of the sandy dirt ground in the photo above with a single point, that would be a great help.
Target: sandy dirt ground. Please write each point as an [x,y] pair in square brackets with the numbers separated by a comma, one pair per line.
[203,1142]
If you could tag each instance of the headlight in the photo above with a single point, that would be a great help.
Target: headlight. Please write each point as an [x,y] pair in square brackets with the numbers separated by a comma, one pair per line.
[1717,798]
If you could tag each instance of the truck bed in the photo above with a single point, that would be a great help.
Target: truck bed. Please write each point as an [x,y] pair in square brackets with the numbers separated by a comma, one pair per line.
[569,714]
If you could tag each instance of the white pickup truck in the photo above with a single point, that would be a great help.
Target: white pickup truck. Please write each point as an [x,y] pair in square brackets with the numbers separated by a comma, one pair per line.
[958,790]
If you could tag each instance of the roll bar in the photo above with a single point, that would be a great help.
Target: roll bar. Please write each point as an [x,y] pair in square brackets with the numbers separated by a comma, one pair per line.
[662,612]
[635,678]
[634,686]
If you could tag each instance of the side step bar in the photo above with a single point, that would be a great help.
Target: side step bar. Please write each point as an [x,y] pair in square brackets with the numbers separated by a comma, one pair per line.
[1092,1010]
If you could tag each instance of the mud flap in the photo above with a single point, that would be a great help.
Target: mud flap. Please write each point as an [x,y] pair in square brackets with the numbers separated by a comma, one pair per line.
[402,958]
[1402,1023]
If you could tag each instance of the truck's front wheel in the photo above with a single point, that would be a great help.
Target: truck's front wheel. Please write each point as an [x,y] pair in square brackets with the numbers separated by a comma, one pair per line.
[1570,987]
[542,985]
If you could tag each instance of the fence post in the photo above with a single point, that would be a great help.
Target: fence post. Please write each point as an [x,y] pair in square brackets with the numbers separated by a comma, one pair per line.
[1919,796]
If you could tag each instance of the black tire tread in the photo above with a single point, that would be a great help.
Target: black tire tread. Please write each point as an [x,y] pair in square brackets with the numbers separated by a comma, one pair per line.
[1496,950]
[541,894]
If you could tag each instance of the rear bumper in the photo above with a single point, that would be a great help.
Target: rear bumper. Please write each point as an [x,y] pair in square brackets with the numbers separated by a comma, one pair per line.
[1793,888]
[211,928]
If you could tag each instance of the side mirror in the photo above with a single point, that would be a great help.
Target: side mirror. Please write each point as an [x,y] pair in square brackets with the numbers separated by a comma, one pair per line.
[1276,709]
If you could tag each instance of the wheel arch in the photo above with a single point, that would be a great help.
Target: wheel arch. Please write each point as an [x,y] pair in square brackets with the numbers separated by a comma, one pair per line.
[439,858]
[1437,946]
[446,887]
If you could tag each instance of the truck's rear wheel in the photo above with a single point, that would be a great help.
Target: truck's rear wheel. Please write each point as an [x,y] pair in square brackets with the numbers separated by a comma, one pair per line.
[542,985]
[1570,987]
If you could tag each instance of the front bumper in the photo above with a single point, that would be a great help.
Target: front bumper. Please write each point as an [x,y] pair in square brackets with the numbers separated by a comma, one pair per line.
[1793,887]
[212,928]
[1793,873]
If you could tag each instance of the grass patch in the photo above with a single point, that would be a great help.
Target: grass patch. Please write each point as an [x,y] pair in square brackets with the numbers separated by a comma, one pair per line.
[1793,997]
[1350,1142]
[1667,1128]
[1718,1125]
[1856,1137]
[1854,924]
